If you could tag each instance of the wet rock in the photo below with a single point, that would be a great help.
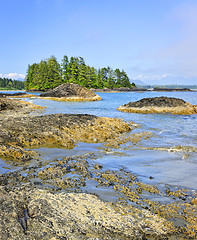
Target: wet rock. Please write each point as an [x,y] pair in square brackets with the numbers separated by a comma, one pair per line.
[160,105]
[71,92]
[16,152]
[178,148]
[12,179]
[60,130]
[16,95]
[15,107]
[42,209]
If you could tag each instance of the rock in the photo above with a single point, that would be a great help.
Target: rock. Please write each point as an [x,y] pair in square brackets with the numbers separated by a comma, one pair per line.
[56,129]
[16,105]
[160,105]
[70,92]
[163,89]
[16,95]
[194,201]
[30,213]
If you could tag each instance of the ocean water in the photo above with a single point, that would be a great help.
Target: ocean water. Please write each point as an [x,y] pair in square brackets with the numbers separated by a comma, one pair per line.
[165,167]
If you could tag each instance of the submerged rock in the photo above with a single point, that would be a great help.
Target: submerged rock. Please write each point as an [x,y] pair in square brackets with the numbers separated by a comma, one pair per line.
[160,105]
[71,92]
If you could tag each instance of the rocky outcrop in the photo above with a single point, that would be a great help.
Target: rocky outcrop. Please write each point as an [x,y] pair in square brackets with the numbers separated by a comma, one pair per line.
[70,92]
[160,105]
[163,89]
[57,129]
[15,107]
[29,213]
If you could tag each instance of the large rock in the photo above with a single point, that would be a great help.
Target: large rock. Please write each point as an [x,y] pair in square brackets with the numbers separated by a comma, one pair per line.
[28,213]
[56,129]
[15,106]
[160,105]
[71,92]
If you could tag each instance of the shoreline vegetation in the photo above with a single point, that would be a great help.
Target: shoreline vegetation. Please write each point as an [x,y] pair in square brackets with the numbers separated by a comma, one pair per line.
[9,84]
[49,74]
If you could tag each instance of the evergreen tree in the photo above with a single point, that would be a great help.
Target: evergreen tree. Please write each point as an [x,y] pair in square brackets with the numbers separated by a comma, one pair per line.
[9,84]
[64,65]
[32,71]
[54,73]
[49,74]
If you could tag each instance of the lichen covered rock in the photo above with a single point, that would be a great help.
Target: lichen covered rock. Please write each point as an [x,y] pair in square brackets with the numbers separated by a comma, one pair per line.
[30,213]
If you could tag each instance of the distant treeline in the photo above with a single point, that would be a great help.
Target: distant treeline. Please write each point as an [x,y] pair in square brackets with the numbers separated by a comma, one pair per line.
[9,84]
[49,74]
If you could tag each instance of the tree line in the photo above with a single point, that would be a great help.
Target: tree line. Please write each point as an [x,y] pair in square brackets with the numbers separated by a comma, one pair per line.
[49,74]
[9,84]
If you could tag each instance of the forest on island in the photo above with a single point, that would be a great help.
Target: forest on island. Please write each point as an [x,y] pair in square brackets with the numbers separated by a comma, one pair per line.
[49,74]
[9,84]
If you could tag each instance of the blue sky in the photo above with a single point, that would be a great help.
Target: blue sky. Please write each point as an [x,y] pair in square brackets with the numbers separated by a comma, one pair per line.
[152,40]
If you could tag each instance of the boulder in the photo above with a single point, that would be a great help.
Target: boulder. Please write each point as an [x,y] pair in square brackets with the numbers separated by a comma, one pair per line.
[63,130]
[15,107]
[160,105]
[30,213]
[70,92]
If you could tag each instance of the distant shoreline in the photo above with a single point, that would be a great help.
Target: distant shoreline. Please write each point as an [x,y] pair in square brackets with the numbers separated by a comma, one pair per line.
[143,90]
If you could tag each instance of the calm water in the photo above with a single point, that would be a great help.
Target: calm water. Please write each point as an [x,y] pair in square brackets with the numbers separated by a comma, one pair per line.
[174,168]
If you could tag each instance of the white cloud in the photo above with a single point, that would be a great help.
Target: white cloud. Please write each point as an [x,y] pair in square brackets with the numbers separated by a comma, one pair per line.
[14,76]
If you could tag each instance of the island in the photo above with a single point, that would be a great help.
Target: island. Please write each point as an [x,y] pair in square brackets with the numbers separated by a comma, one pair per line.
[159,105]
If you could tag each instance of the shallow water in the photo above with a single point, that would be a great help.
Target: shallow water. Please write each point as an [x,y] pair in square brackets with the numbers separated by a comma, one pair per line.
[165,167]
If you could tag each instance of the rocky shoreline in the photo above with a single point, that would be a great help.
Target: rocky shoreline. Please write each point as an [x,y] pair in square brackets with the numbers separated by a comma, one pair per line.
[49,200]
[141,89]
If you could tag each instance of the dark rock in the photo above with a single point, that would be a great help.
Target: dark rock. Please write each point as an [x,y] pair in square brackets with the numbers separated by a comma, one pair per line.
[160,105]
[68,90]
[163,89]
[12,94]
[5,105]
[157,102]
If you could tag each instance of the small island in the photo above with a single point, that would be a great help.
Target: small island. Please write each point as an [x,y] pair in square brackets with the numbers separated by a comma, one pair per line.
[160,105]
[49,74]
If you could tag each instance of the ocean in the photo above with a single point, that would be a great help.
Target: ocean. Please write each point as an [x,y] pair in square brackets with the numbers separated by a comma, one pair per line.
[167,158]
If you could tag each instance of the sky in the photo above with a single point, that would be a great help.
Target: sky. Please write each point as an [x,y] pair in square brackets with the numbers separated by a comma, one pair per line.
[154,41]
